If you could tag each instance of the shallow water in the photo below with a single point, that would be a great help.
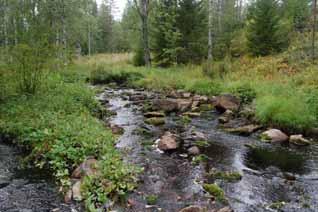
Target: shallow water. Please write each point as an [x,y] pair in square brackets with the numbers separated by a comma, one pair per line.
[26,189]
[177,182]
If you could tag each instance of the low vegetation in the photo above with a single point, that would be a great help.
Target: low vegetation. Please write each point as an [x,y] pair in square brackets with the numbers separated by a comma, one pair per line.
[58,125]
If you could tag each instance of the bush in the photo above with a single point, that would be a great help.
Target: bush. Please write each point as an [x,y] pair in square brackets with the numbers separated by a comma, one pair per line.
[245,92]
[138,59]
[206,87]
[28,64]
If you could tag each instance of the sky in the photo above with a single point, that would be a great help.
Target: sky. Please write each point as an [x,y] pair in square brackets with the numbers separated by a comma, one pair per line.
[119,8]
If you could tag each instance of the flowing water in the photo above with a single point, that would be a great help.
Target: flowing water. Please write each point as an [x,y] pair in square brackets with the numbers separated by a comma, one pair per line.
[177,182]
[26,189]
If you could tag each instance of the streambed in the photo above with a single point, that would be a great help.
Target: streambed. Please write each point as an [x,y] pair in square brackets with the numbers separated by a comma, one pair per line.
[274,177]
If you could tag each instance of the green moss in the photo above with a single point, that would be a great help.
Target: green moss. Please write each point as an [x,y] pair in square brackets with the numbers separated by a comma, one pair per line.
[215,191]
[200,158]
[155,121]
[202,143]
[152,199]
[277,205]
[227,176]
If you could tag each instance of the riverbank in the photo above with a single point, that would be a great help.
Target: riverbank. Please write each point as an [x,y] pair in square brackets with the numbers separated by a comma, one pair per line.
[60,126]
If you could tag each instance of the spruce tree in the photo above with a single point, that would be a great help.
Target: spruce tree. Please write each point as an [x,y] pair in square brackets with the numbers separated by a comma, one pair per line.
[265,33]
[166,34]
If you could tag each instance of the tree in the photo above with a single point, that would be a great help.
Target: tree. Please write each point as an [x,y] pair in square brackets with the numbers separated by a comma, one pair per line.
[314,13]
[210,29]
[266,34]
[143,9]
[166,34]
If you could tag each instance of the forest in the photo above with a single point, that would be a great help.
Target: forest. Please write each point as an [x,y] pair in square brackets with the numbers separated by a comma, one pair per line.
[163,105]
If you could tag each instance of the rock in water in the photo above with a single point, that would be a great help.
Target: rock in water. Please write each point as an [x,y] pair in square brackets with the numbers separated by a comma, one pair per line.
[154,114]
[226,209]
[244,130]
[274,135]
[192,208]
[76,189]
[167,105]
[194,150]
[226,102]
[87,168]
[156,121]
[168,142]
[299,140]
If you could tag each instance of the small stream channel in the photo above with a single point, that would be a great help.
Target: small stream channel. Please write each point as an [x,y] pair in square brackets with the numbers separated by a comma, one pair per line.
[177,182]
[26,189]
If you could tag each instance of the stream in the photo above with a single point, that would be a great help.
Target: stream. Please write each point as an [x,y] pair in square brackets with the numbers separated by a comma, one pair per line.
[26,189]
[176,182]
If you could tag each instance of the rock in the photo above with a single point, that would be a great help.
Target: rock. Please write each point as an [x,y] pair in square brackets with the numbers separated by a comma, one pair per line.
[192,114]
[166,105]
[117,130]
[226,102]
[186,95]
[87,168]
[299,140]
[167,142]
[192,208]
[194,150]
[225,209]
[76,189]
[68,196]
[195,104]
[274,135]
[137,97]
[184,105]
[154,114]
[156,121]
[198,136]
[289,176]
[244,130]
[223,119]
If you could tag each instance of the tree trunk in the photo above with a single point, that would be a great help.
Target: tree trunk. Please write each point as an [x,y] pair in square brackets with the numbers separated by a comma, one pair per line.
[143,10]
[314,11]
[210,42]
[89,40]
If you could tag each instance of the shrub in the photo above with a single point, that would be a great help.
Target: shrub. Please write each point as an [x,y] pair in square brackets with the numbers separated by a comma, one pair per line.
[245,92]
[205,87]
[138,59]
[28,64]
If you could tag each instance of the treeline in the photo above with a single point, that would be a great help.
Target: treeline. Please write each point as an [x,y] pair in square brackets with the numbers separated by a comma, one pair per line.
[162,32]
[191,31]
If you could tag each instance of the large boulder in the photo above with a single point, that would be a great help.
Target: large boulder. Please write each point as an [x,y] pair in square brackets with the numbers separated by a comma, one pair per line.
[274,135]
[88,168]
[226,102]
[168,142]
[184,105]
[299,140]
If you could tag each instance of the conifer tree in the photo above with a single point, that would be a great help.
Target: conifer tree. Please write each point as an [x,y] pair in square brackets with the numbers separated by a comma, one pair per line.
[265,33]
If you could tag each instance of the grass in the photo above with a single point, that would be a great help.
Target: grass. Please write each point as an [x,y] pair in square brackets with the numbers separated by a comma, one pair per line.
[283,91]
[59,127]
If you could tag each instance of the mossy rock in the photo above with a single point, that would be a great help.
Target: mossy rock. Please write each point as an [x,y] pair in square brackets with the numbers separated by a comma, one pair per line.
[206,107]
[202,143]
[152,199]
[155,121]
[215,191]
[227,176]
[200,158]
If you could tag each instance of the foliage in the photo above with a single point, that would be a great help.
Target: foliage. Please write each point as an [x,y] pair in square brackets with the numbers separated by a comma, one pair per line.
[245,92]
[58,127]
[227,176]
[28,64]
[266,33]
[138,59]
[152,199]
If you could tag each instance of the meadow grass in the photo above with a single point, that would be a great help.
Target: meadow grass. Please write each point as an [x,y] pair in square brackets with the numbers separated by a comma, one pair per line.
[282,91]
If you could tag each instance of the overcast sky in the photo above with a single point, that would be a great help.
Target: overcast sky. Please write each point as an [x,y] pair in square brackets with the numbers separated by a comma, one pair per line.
[120,6]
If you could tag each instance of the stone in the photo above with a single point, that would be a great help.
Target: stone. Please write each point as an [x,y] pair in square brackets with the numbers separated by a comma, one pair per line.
[244,130]
[192,208]
[117,130]
[194,150]
[226,102]
[274,135]
[198,136]
[167,105]
[289,176]
[192,114]
[68,196]
[87,168]
[195,104]
[184,105]
[298,140]
[156,121]
[76,190]
[186,95]
[154,114]
[223,119]
[167,142]
[225,209]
